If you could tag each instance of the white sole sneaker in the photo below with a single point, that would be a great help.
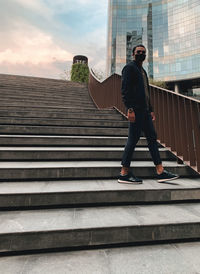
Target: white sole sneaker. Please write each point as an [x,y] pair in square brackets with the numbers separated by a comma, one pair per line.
[127,182]
[166,180]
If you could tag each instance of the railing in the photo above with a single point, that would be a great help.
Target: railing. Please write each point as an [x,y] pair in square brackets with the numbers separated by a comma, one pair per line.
[177,116]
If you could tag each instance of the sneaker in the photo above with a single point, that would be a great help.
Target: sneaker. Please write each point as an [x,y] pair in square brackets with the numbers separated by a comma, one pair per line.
[166,176]
[129,179]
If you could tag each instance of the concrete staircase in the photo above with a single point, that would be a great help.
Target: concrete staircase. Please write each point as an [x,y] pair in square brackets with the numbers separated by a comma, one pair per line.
[59,160]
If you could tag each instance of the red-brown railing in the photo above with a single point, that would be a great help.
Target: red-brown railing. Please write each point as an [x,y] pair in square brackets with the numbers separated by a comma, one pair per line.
[177,116]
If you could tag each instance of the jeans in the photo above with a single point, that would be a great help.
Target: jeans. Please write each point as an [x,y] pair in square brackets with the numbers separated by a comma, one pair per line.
[143,122]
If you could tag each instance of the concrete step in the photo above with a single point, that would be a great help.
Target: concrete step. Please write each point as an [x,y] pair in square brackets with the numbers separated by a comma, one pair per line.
[81,141]
[47,91]
[48,170]
[20,81]
[76,153]
[42,96]
[7,79]
[58,130]
[43,85]
[63,122]
[41,91]
[70,109]
[95,226]
[173,258]
[31,82]
[48,94]
[66,97]
[95,192]
[61,115]
[30,103]
[53,102]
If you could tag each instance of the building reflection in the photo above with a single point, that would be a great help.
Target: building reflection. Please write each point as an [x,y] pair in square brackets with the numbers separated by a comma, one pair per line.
[170,29]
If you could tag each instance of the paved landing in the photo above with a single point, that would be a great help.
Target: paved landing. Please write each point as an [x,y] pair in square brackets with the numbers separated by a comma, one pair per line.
[94,185]
[73,149]
[158,259]
[71,164]
[97,217]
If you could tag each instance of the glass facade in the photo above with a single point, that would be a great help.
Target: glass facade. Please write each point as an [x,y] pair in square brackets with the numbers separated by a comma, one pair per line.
[170,30]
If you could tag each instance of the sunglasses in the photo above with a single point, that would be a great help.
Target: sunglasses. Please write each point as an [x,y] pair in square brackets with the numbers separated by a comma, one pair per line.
[141,51]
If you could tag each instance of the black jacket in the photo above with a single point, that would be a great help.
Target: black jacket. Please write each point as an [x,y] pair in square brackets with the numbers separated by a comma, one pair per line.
[133,91]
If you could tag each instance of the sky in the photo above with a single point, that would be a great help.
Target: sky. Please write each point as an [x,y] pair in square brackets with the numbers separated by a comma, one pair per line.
[40,37]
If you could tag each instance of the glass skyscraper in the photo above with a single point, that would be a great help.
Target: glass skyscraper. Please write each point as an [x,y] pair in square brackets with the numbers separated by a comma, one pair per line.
[170,30]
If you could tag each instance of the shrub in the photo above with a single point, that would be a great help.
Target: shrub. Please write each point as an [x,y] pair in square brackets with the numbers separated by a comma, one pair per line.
[80,73]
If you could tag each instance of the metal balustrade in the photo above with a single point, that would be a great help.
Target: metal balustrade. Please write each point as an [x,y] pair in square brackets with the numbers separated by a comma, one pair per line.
[177,116]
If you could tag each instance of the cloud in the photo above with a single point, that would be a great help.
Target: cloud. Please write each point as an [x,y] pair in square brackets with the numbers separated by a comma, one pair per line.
[40,37]
[60,6]
[29,51]
[30,45]
[34,6]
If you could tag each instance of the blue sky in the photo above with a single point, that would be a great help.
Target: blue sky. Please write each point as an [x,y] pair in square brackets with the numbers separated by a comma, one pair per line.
[40,37]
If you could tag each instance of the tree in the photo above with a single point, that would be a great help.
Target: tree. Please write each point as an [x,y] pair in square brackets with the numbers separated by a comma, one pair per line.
[66,75]
[80,73]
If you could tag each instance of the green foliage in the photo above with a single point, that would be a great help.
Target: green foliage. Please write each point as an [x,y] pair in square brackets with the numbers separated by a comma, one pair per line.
[80,73]
[160,84]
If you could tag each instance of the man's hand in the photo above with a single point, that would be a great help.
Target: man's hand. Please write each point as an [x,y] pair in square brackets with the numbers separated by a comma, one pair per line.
[131,116]
[153,116]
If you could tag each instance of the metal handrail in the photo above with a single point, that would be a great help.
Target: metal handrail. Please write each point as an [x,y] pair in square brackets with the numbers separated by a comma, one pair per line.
[177,116]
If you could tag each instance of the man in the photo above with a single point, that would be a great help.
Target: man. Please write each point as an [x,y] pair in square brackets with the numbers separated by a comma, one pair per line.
[135,95]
